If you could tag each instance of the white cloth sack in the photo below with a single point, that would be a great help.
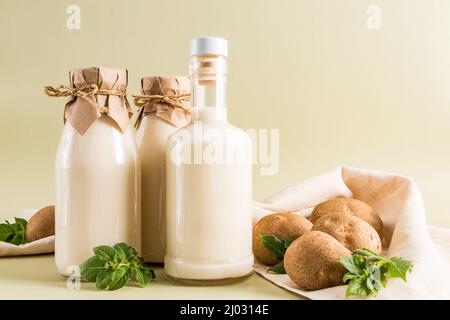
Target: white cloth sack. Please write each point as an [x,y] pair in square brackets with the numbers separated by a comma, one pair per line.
[398,202]
[45,245]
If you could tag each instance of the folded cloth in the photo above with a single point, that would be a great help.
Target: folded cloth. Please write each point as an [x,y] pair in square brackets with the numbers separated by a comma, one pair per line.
[399,203]
[45,245]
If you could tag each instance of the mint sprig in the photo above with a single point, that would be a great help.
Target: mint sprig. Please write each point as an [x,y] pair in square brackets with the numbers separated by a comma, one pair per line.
[278,247]
[368,272]
[111,268]
[13,233]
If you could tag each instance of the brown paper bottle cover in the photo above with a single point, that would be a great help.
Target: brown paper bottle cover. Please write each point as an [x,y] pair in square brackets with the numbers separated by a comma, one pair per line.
[81,112]
[168,98]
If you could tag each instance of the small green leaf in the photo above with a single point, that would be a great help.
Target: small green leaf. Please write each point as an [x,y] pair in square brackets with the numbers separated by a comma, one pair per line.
[365,252]
[145,276]
[278,268]
[351,264]
[6,232]
[13,233]
[383,278]
[18,238]
[128,250]
[120,254]
[113,267]
[91,267]
[104,279]
[105,253]
[120,277]
[397,268]
[21,223]
[274,245]
[357,287]
[141,278]
[368,271]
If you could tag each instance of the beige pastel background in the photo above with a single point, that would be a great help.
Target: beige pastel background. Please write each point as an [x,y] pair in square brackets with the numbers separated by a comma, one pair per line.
[339,92]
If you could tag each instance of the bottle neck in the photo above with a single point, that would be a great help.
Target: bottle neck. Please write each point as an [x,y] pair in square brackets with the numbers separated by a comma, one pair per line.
[209,79]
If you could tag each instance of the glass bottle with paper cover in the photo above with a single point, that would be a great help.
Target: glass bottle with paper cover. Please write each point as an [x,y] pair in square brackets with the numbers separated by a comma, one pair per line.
[97,168]
[164,107]
[209,181]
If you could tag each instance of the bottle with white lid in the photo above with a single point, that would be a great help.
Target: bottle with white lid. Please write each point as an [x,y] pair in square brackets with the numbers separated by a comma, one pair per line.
[209,181]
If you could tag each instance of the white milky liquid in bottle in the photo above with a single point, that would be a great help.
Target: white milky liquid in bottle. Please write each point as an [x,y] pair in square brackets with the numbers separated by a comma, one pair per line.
[209,182]
[97,191]
[151,138]
[154,129]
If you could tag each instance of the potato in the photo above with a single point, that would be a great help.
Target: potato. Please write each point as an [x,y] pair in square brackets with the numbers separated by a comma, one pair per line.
[352,206]
[352,232]
[312,261]
[282,225]
[41,224]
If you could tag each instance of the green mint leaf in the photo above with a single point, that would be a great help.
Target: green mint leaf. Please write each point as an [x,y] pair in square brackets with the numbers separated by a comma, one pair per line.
[144,276]
[369,272]
[383,278]
[359,261]
[13,233]
[352,264]
[278,268]
[20,223]
[6,232]
[120,255]
[398,268]
[120,277]
[375,259]
[365,252]
[91,267]
[105,253]
[128,250]
[358,287]
[274,245]
[141,278]
[111,268]
[104,278]
[18,237]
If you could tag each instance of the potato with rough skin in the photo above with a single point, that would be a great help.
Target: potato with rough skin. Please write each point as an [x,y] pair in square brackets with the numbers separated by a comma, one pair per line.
[41,224]
[312,261]
[351,206]
[352,232]
[282,225]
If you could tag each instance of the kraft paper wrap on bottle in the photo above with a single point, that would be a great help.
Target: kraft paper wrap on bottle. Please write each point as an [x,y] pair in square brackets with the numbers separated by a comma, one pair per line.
[167,97]
[94,92]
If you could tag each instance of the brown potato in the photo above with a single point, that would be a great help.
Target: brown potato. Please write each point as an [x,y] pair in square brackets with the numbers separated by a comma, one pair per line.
[352,232]
[352,206]
[41,224]
[282,225]
[312,261]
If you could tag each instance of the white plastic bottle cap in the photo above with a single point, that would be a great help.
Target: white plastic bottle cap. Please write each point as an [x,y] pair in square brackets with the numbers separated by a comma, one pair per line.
[209,45]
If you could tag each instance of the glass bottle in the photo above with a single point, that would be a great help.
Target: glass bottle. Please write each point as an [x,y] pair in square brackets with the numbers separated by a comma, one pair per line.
[209,181]
[164,103]
[97,169]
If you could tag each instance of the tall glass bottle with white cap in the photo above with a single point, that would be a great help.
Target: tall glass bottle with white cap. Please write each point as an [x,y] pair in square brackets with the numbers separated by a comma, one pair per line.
[209,181]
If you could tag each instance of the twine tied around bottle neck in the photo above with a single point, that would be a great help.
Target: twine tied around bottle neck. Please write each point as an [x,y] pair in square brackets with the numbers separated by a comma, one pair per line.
[141,100]
[86,92]
[173,100]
